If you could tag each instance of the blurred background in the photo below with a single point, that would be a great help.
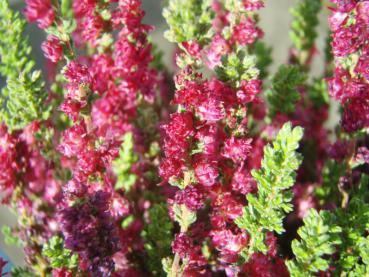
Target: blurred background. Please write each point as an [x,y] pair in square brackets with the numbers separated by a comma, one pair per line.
[274,20]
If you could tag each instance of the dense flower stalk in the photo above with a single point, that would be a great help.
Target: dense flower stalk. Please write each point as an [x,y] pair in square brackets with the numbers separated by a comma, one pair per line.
[349,85]
[114,170]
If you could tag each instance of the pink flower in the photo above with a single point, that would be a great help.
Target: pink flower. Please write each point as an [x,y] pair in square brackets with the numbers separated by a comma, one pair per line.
[218,48]
[206,173]
[237,149]
[211,110]
[92,27]
[246,32]
[77,73]
[347,40]
[180,126]
[71,108]
[243,182]
[182,245]
[252,5]
[229,244]
[83,7]
[8,157]
[249,90]
[193,48]
[40,11]
[75,140]
[209,139]
[170,168]
[356,115]
[192,196]
[52,48]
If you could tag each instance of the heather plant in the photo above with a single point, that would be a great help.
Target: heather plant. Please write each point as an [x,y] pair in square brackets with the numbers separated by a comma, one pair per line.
[116,165]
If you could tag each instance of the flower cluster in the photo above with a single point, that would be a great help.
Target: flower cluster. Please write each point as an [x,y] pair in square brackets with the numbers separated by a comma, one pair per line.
[350,47]
[115,170]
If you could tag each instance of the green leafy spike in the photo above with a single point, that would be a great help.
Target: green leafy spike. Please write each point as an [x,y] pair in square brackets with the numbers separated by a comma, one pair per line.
[158,237]
[305,20]
[283,93]
[22,272]
[22,98]
[263,55]
[354,220]
[318,92]
[9,237]
[266,210]
[318,237]
[236,67]
[188,20]
[331,173]
[59,256]
[123,164]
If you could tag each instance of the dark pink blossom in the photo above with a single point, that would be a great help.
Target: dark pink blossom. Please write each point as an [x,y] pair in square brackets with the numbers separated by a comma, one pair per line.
[182,245]
[206,172]
[75,140]
[249,90]
[246,32]
[356,116]
[228,243]
[77,73]
[52,48]
[192,196]
[237,149]
[243,182]
[3,263]
[40,11]
[211,110]
[218,48]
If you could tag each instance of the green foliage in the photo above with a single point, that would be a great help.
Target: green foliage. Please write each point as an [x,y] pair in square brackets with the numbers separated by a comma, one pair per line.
[9,237]
[236,67]
[235,6]
[283,93]
[331,173]
[318,92]
[188,20]
[21,100]
[263,55]
[157,54]
[183,216]
[354,220]
[59,256]
[266,210]
[123,164]
[66,8]
[344,231]
[158,237]
[305,20]
[318,237]
[127,221]
[22,272]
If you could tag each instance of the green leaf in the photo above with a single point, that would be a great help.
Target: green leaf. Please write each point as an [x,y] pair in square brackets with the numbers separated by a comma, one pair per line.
[9,237]
[21,101]
[283,94]
[123,164]
[183,216]
[158,237]
[266,210]
[22,272]
[236,67]
[318,237]
[263,58]
[305,20]
[188,20]
[59,255]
